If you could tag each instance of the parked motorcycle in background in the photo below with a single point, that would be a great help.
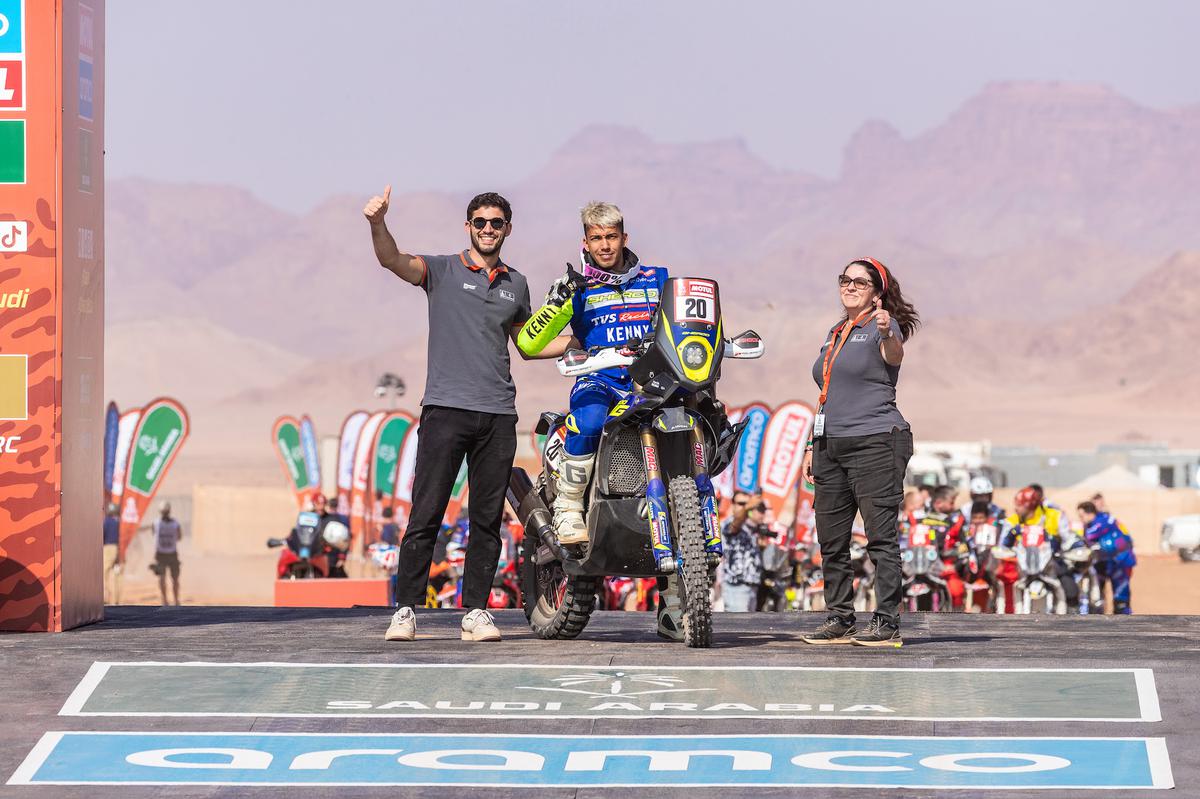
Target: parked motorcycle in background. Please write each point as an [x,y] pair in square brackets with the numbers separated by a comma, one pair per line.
[310,547]
[921,565]
[1038,589]
[1081,567]
[978,570]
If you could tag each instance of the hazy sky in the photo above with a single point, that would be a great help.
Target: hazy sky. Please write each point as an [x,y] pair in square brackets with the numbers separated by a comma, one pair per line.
[297,100]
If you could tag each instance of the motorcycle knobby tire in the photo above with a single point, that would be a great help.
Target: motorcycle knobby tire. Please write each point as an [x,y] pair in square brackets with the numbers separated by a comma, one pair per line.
[693,569]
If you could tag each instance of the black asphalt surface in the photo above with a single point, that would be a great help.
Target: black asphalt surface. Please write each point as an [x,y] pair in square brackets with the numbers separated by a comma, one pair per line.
[38,672]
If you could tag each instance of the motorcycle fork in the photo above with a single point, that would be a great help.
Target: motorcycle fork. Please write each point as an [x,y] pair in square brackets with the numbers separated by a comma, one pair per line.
[708,496]
[656,505]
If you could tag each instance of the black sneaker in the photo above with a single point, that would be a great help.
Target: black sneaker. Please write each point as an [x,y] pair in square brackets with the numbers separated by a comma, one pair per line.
[880,632]
[835,630]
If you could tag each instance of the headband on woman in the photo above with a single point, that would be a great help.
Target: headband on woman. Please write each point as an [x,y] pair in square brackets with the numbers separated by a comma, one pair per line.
[883,274]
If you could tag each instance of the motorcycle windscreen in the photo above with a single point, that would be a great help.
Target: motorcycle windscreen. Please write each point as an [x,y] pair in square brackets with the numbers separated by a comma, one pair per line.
[687,335]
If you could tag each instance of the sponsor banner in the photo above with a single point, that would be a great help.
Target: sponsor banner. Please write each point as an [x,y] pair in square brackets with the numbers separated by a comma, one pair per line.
[446,690]
[160,433]
[783,452]
[749,450]
[14,387]
[125,427]
[385,458]
[362,473]
[406,472]
[632,761]
[112,421]
[348,440]
[285,435]
[13,161]
[312,459]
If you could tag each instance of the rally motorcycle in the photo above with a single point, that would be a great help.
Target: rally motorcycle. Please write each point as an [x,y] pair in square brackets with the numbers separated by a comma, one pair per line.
[651,509]
[977,569]
[1081,567]
[312,549]
[921,565]
[1038,590]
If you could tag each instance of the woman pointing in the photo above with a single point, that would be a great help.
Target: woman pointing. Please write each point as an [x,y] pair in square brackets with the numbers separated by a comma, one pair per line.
[860,450]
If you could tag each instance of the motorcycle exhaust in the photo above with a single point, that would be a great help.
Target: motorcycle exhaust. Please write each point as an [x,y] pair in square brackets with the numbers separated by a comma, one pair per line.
[535,516]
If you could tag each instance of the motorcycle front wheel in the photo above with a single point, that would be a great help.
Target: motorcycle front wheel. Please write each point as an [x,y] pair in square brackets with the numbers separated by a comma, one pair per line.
[557,606]
[694,583]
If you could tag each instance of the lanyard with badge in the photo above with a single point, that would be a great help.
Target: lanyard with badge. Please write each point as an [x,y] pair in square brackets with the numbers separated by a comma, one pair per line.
[836,342]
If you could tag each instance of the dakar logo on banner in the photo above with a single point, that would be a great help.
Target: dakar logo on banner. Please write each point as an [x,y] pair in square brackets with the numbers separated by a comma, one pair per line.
[783,452]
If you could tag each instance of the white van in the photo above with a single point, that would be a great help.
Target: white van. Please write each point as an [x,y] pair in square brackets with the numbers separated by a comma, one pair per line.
[1182,533]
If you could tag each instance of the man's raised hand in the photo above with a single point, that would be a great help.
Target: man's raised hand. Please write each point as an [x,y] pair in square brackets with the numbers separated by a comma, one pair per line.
[377,206]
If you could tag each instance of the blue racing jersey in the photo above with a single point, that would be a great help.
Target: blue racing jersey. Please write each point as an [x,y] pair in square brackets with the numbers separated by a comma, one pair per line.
[607,316]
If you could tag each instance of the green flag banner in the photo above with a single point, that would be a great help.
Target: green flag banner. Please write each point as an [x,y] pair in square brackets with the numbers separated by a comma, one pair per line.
[160,433]
[285,435]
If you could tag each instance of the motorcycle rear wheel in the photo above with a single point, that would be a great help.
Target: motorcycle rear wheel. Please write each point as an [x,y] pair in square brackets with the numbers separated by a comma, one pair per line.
[556,606]
[694,580]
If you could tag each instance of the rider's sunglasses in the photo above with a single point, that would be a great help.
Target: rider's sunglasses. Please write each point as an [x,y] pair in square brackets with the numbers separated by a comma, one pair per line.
[859,282]
[497,223]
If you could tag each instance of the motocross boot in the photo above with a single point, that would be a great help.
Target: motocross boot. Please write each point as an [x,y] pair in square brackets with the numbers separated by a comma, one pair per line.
[570,486]
[670,610]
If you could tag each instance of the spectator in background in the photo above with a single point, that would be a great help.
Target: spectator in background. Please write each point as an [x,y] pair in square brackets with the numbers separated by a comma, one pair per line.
[112,550]
[742,566]
[389,533]
[167,534]
[1100,503]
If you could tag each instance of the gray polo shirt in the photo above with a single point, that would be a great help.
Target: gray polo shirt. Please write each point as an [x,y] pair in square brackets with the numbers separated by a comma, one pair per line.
[862,388]
[471,315]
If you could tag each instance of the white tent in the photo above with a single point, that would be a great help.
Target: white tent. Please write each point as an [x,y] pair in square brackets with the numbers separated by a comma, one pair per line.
[1114,478]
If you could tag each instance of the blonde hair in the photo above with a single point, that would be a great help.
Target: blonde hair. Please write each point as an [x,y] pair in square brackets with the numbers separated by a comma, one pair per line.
[598,214]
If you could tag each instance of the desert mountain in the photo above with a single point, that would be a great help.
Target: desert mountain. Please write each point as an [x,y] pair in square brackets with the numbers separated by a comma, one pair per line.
[1034,228]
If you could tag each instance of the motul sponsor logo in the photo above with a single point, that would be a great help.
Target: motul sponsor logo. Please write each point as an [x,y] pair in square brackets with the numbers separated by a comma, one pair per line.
[704,288]
[784,447]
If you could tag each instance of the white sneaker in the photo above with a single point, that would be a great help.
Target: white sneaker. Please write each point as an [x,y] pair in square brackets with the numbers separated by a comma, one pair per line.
[403,626]
[478,625]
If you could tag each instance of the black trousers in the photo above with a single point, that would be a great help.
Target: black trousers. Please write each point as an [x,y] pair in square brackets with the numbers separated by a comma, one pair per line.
[488,441]
[861,474]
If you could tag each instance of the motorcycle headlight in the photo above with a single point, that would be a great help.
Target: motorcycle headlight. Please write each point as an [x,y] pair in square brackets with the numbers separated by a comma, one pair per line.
[694,355]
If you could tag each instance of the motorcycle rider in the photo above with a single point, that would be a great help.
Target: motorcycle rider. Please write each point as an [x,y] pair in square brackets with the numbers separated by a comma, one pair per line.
[1031,511]
[614,305]
[335,558]
[1116,557]
[981,491]
[947,525]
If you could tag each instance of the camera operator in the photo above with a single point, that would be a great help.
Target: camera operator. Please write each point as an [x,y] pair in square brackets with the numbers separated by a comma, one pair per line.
[742,570]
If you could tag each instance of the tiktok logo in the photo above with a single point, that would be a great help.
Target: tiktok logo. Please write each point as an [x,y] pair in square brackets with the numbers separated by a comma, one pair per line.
[14,236]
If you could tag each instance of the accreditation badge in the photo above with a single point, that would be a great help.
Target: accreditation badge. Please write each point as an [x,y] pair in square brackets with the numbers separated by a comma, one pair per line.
[819,425]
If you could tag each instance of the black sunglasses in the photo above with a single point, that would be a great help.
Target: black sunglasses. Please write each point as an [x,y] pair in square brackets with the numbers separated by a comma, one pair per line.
[497,223]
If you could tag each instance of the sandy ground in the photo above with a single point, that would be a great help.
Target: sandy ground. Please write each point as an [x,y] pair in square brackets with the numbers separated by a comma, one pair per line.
[1162,584]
